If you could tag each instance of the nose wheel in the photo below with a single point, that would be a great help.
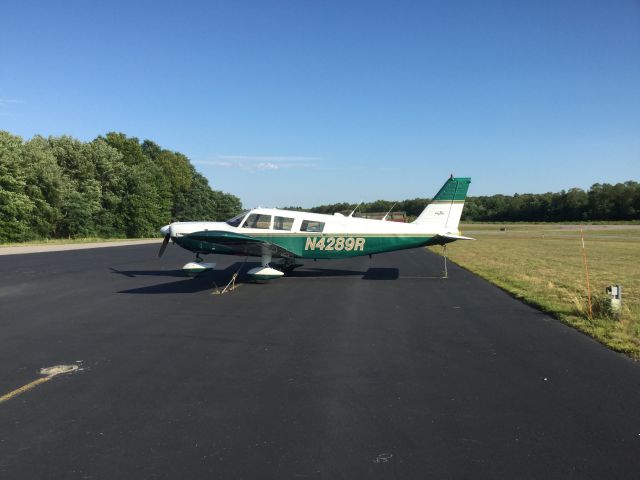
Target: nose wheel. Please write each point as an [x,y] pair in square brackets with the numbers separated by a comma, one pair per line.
[195,268]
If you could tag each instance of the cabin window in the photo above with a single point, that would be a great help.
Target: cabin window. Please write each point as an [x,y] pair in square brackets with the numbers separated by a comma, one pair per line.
[237,220]
[282,223]
[311,226]
[257,220]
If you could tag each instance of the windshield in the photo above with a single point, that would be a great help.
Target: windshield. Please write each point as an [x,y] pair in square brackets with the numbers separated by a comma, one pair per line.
[237,220]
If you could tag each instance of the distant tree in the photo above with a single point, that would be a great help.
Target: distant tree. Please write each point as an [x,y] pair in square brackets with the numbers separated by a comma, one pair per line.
[111,173]
[147,198]
[576,205]
[45,183]
[600,202]
[111,186]
[16,207]
[413,207]
[333,208]
[117,186]
[635,195]
[623,200]
[297,209]
[81,192]
[202,203]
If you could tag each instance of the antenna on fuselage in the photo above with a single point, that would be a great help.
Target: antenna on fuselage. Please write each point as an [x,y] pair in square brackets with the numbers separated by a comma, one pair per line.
[354,210]
[384,219]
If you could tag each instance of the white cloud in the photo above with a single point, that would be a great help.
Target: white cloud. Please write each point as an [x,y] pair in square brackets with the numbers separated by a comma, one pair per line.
[256,163]
[5,106]
[267,158]
[268,166]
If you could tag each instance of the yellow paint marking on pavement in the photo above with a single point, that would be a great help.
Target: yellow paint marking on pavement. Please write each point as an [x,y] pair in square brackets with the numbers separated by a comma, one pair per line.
[49,373]
[24,388]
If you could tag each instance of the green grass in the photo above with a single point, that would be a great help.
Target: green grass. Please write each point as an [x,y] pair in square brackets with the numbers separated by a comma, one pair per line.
[542,264]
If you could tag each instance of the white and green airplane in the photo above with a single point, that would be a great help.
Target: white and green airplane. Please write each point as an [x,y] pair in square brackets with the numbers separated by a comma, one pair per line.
[273,233]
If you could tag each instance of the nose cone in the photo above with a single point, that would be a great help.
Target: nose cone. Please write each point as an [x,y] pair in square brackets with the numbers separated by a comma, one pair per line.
[166,229]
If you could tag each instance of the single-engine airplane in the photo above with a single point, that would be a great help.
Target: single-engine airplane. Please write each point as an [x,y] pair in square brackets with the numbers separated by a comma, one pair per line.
[273,233]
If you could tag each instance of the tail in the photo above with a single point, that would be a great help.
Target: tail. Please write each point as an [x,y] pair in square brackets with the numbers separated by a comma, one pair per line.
[444,212]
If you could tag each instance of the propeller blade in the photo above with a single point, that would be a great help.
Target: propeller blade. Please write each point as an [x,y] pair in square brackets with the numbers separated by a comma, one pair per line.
[165,242]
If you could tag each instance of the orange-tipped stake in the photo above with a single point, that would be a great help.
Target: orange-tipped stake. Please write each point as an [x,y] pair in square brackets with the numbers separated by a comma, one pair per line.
[586,274]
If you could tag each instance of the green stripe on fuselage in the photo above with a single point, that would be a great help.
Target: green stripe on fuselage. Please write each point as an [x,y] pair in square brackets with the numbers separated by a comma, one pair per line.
[323,245]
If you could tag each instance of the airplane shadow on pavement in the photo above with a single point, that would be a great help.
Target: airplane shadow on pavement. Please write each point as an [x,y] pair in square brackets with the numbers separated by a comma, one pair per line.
[220,278]
[204,281]
[369,274]
[147,273]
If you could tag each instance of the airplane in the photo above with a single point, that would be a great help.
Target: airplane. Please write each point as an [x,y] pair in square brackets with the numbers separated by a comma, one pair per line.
[271,233]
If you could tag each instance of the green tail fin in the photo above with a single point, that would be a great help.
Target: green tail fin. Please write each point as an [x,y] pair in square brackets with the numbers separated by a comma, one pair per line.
[454,189]
[444,212]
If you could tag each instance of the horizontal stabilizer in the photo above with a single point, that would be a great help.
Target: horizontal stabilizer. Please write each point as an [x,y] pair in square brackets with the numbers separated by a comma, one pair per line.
[450,236]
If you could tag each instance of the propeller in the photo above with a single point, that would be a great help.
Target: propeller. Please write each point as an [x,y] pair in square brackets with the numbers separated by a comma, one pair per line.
[165,242]
[167,236]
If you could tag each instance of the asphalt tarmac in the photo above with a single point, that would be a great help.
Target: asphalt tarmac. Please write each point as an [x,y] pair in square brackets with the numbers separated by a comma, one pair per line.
[361,368]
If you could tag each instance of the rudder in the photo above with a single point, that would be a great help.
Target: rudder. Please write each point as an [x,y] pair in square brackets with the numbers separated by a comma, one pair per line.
[445,210]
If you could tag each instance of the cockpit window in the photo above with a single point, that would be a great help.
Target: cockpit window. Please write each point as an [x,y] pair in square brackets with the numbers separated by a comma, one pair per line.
[257,220]
[237,220]
[282,223]
[311,226]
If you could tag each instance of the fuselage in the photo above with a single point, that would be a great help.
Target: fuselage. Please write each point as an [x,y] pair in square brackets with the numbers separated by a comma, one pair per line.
[305,235]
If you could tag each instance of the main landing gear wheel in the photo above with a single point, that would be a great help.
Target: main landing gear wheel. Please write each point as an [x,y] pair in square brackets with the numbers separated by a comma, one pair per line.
[264,273]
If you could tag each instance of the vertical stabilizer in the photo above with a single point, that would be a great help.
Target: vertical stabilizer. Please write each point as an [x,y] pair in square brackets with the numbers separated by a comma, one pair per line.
[445,210]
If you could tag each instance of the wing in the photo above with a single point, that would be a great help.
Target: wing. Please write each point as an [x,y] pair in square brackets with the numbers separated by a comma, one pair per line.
[237,243]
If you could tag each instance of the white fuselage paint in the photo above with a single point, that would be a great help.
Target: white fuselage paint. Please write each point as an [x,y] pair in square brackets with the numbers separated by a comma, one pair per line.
[434,224]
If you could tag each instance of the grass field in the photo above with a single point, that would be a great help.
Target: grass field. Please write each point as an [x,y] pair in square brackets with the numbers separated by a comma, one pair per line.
[543,265]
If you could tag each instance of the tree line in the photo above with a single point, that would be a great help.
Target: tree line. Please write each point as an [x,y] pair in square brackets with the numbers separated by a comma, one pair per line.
[113,186]
[602,202]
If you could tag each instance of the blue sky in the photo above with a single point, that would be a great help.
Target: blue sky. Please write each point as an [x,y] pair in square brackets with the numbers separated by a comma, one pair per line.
[302,103]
